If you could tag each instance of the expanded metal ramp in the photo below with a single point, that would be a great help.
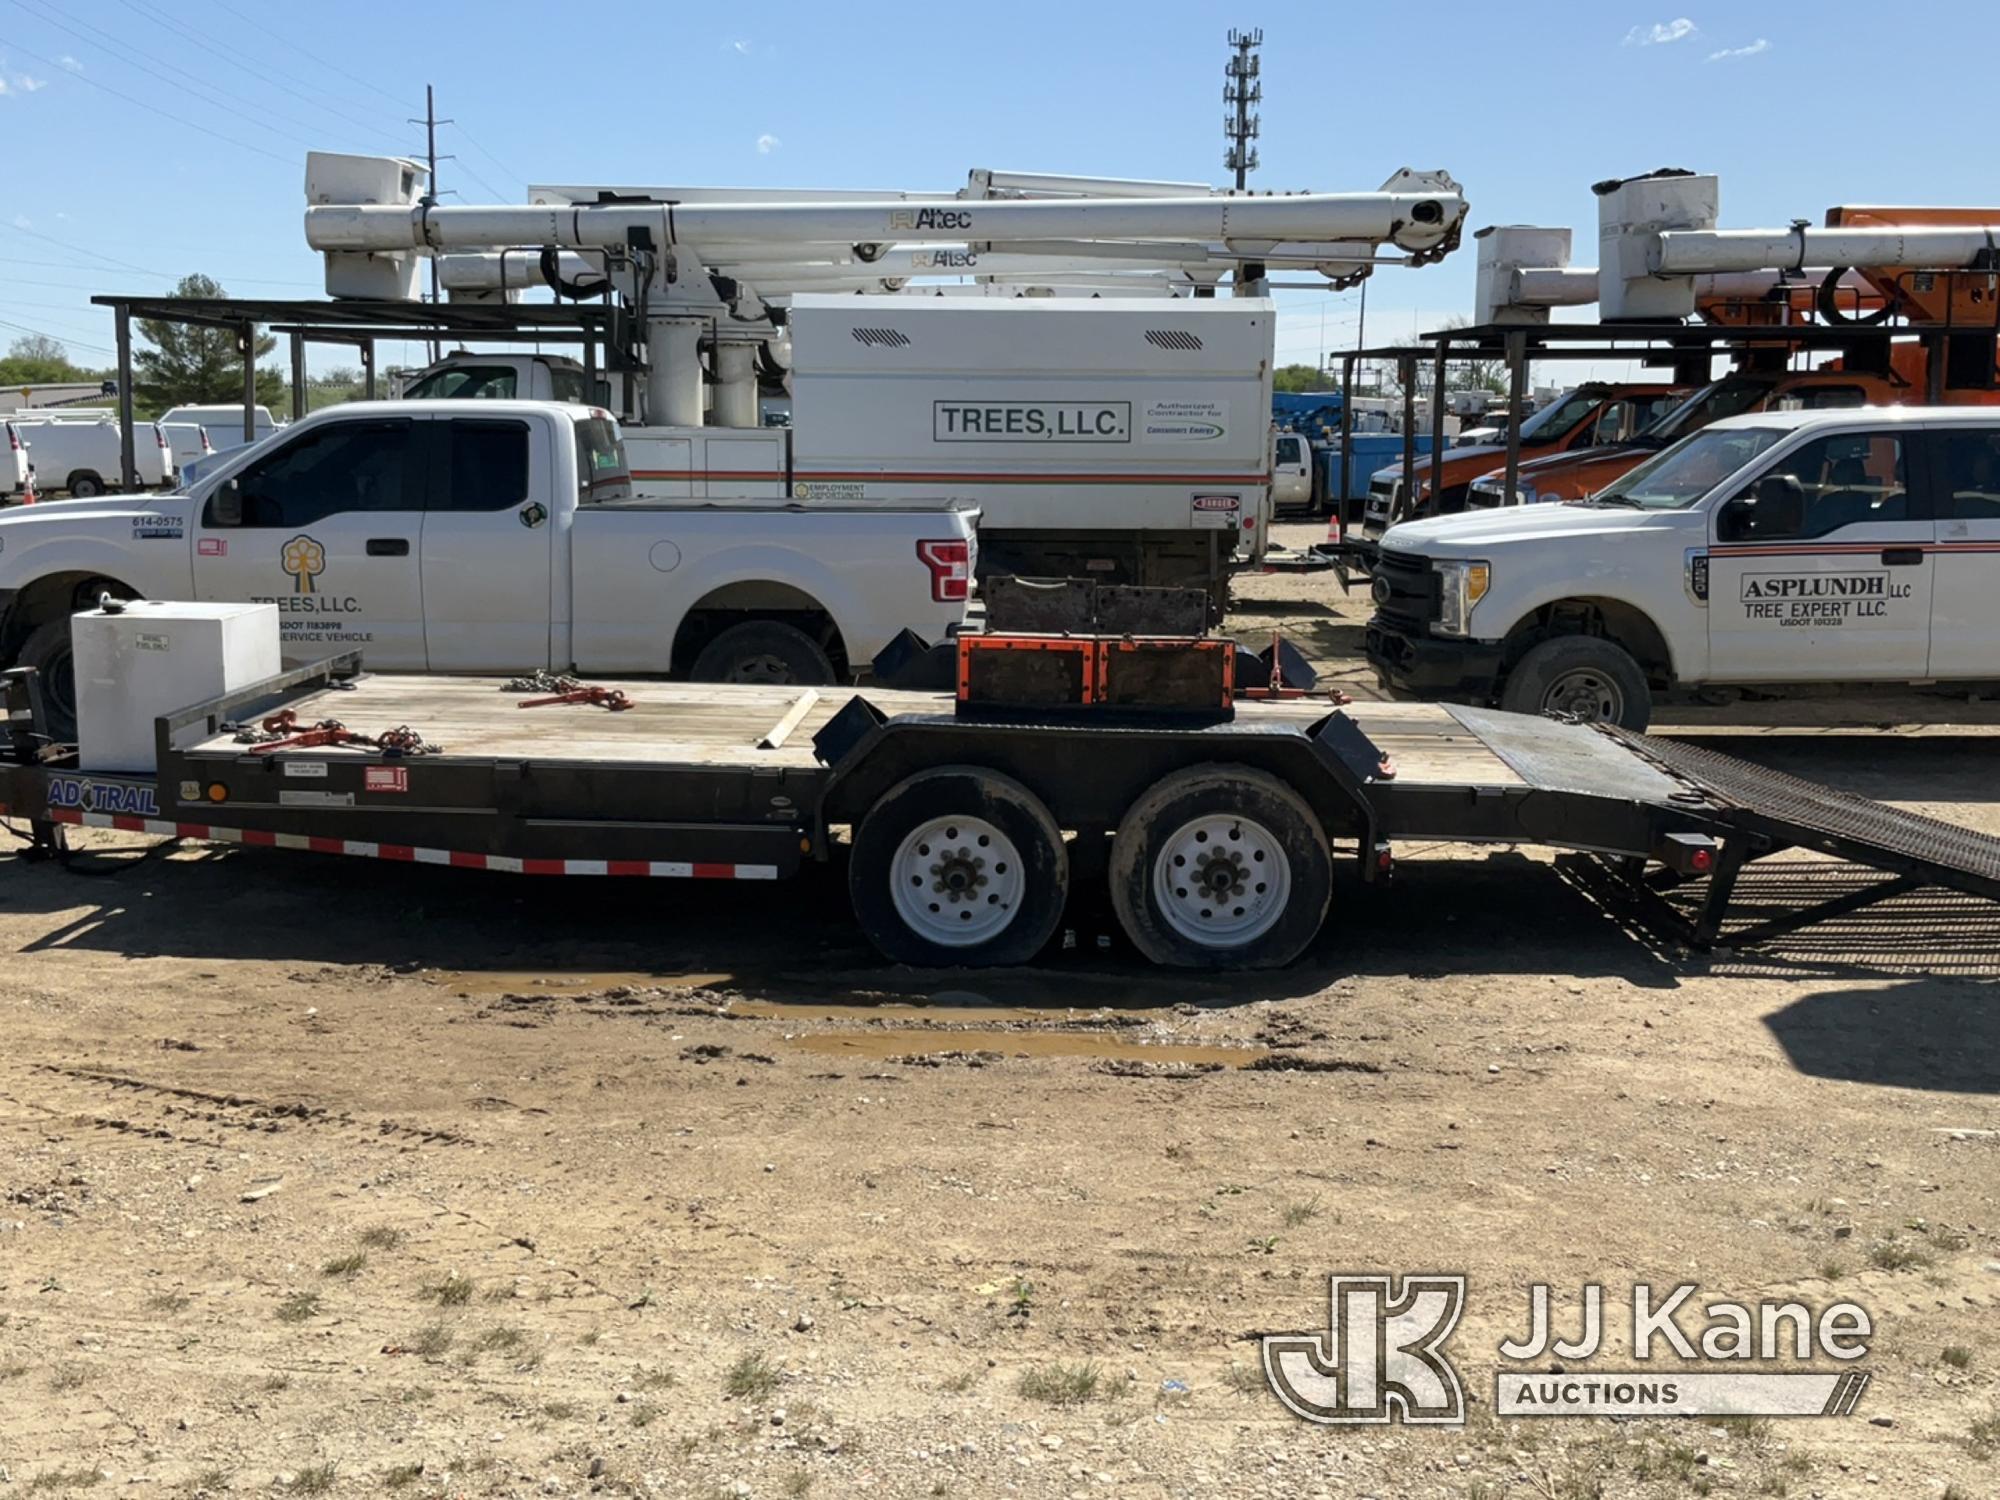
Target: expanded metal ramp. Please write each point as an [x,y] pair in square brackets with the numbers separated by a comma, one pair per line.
[1775,811]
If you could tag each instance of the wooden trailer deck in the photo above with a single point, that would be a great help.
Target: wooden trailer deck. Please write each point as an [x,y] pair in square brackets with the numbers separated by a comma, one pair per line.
[701,724]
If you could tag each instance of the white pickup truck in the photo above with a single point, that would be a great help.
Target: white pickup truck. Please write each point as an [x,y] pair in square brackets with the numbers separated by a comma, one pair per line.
[444,536]
[1777,551]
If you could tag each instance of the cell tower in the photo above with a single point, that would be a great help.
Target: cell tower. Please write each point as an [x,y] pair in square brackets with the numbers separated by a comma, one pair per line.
[1241,90]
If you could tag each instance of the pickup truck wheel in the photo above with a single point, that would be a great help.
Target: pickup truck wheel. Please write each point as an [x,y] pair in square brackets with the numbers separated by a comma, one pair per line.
[1219,867]
[1580,676]
[83,485]
[47,650]
[763,651]
[959,865]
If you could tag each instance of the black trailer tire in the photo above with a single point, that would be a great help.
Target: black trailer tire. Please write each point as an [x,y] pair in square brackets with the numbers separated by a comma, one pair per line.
[958,865]
[763,651]
[1582,675]
[47,650]
[1256,902]
[84,485]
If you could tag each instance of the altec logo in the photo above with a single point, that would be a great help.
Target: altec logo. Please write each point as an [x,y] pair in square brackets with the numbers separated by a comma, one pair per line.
[929,218]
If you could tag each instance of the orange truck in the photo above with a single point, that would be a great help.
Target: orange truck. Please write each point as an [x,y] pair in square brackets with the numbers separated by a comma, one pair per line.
[1862,297]
[1595,414]
[1572,476]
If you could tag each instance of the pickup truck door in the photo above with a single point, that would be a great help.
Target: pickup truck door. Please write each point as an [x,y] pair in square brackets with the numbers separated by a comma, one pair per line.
[488,543]
[1965,597]
[331,521]
[1843,593]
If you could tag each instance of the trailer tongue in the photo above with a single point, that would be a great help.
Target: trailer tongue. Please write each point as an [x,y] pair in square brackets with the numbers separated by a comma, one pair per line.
[1221,838]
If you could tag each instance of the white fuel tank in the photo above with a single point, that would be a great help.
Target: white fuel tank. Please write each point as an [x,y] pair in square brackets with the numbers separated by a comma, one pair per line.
[147,658]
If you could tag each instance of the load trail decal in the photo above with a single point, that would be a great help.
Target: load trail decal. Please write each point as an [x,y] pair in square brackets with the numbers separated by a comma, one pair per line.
[132,799]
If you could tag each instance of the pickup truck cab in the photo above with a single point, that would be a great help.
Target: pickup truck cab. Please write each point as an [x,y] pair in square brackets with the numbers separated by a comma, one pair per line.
[497,536]
[1595,414]
[1291,471]
[1776,550]
[1571,475]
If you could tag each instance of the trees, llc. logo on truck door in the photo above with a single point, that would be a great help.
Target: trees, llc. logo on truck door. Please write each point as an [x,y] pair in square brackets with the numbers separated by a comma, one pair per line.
[1380,1359]
[305,560]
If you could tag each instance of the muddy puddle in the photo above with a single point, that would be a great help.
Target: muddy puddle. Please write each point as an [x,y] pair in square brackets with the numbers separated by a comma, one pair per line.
[992,999]
[885,1043]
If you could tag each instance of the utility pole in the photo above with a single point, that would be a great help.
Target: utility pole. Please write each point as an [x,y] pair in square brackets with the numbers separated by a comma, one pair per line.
[430,122]
[1241,90]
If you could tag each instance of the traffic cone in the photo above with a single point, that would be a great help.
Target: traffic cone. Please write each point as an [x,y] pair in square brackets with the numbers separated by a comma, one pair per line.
[28,496]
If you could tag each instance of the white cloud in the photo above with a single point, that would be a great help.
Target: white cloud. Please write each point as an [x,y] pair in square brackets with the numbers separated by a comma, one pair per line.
[22,221]
[3,86]
[1660,32]
[70,63]
[1760,45]
[29,84]
[767,143]
[740,48]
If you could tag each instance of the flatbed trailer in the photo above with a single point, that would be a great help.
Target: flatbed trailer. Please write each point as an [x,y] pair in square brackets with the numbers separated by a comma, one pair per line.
[1221,841]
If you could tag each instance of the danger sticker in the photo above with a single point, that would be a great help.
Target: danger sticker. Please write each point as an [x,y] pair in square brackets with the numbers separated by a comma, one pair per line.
[385,779]
[1215,512]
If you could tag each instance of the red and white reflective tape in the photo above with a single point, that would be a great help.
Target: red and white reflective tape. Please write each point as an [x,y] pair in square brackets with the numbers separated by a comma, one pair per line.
[673,869]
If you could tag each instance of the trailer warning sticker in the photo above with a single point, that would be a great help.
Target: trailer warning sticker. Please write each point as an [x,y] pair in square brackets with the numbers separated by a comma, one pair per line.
[385,779]
[1031,421]
[1215,512]
[1820,599]
[1184,421]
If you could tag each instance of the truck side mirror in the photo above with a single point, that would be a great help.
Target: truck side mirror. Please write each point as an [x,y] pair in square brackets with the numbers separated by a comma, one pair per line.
[1781,506]
[225,507]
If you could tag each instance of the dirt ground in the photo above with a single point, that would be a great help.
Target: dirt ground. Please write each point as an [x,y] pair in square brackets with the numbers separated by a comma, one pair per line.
[329,1176]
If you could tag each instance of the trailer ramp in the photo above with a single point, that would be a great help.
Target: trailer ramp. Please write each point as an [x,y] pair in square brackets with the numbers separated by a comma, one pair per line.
[1770,811]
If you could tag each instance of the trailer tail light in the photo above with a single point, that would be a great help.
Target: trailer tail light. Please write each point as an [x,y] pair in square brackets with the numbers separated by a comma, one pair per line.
[950,562]
[1688,853]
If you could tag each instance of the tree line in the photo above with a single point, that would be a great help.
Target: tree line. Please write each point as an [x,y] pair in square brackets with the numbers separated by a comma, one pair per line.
[177,365]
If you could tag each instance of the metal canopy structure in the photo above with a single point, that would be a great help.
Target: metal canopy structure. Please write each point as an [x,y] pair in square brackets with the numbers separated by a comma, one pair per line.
[359,323]
[1686,348]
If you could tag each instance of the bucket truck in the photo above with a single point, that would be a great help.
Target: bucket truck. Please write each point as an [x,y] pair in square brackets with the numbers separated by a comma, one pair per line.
[1123,438]
[1772,549]
[1524,271]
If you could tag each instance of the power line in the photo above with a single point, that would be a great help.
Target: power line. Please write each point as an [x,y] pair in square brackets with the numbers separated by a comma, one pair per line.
[165,114]
[249,64]
[505,171]
[122,265]
[123,54]
[316,57]
[43,333]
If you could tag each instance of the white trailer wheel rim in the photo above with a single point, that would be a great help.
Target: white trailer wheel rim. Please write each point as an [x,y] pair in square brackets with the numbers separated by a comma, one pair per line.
[1222,881]
[957,881]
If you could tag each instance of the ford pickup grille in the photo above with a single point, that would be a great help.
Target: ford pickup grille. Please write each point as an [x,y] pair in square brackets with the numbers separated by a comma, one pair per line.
[1405,590]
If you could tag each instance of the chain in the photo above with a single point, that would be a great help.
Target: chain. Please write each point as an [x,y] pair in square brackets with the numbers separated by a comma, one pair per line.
[541,682]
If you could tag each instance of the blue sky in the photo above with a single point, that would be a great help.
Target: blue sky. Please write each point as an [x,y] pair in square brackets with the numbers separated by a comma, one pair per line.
[147,138]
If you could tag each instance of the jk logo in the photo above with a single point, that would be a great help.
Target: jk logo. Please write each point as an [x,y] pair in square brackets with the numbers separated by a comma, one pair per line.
[1380,1359]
